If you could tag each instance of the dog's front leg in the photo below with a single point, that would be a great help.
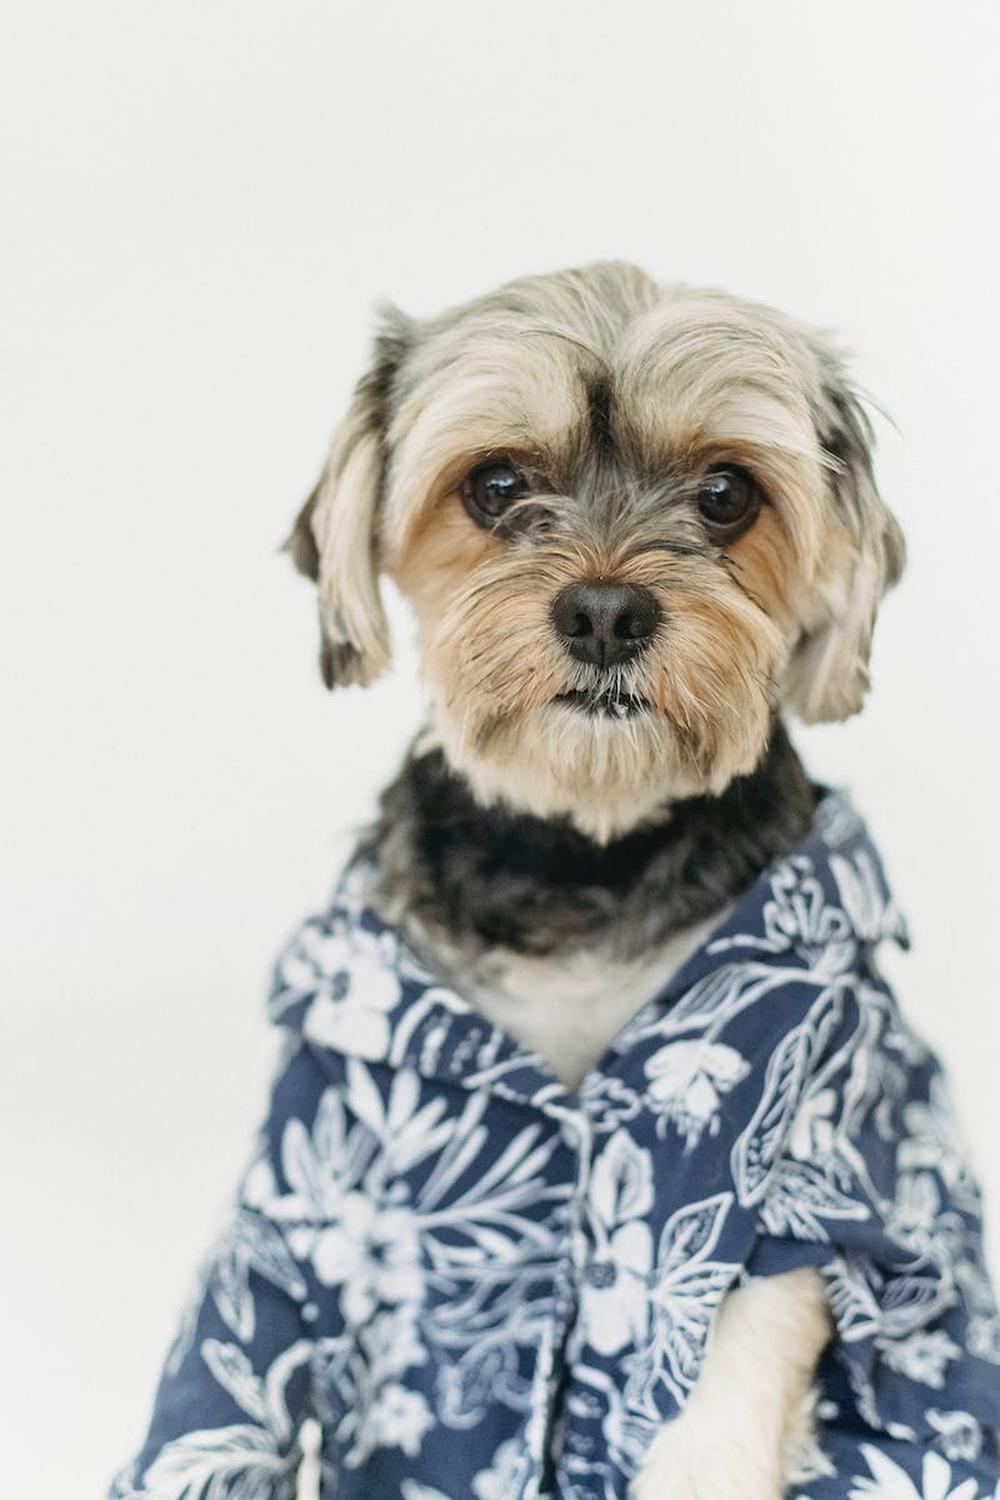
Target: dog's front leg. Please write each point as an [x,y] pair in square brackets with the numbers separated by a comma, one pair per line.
[748,1415]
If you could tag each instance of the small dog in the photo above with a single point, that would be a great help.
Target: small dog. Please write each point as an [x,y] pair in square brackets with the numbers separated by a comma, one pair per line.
[634,525]
[550,1172]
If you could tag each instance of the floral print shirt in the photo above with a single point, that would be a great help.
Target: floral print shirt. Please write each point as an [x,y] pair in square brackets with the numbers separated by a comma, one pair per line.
[482,1285]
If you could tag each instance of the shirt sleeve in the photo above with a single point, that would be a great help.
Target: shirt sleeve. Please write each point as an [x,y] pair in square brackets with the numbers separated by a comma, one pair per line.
[872,1185]
[236,1386]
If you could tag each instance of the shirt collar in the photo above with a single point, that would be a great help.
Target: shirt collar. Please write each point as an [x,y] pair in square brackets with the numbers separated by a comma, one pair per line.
[350,985]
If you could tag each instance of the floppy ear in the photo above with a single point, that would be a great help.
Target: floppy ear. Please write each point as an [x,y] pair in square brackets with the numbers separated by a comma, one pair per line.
[862,554]
[335,539]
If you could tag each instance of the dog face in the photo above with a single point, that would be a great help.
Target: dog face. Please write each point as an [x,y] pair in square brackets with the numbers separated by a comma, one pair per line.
[632,523]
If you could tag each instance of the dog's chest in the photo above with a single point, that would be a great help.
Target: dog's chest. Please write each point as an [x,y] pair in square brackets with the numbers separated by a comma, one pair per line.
[568,1007]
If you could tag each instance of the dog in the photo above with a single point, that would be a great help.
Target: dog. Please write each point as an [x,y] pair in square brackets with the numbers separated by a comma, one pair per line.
[637,526]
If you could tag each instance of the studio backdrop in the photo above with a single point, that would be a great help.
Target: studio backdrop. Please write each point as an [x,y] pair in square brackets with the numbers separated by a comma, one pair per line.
[203,206]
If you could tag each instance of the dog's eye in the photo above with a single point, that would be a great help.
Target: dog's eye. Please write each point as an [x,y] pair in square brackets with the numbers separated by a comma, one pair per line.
[492,487]
[728,499]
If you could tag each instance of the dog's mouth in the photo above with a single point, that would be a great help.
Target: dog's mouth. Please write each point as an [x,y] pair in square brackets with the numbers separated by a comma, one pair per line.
[606,703]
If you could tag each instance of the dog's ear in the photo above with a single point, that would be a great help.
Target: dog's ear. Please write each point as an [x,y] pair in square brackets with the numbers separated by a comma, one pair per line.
[862,554]
[335,539]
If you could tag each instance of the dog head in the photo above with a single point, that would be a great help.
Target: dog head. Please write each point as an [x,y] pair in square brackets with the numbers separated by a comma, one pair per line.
[632,521]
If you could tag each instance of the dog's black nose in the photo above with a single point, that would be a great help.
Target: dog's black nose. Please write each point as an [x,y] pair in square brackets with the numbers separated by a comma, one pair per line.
[605,623]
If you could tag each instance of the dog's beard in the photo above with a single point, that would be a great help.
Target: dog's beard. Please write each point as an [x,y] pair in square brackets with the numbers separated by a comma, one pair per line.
[528,726]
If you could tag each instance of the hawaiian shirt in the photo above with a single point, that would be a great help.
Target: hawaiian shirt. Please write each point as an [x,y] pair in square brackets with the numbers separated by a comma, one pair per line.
[481,1283]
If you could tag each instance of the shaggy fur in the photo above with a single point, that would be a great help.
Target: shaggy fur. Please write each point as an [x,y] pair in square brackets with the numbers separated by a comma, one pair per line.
[615,395]
[564,829]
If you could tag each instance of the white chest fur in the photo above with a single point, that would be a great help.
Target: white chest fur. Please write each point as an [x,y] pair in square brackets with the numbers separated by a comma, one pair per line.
[567,1008]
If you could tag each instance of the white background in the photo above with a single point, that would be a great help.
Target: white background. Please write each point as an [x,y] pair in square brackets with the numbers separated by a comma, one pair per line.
[206,199]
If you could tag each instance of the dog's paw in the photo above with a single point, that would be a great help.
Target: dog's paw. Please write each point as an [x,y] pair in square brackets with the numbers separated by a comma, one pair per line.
[691,1460]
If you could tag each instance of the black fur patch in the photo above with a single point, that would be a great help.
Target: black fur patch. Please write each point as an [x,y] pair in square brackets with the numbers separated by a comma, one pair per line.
[488,876]
[599,405]
[339,661]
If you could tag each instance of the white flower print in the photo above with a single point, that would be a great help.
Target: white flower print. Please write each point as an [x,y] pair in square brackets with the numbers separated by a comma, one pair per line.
[325,1165]
[687,1080]
[798,916]
[961,1436]
[398,1418]
[924,1356]
[889,1482]
[616,1289]
[372,1253]
[355,987]
[503,1286]
[362,1391]
[391,1342]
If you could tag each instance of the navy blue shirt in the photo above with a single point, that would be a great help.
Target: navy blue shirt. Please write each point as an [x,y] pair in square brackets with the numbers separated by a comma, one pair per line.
[483,1284]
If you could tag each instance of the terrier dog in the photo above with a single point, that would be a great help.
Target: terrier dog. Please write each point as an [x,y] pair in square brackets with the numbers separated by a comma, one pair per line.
[636,525]
[596,1121]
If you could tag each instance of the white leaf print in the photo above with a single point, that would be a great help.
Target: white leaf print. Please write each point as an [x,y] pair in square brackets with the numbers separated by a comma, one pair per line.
[468,1388]
[234,1372]
[456,1216]
[717,997]
[265,1251]
[799,1196]
[692,1232]
[910,1302]
[622,1181]
[404,1097]
[687,1288]
[262,1398]
[852,1298]
[276,1379]
[300,1161]
[756,1150]
[364,1098]
[223,1463]
[329,1128]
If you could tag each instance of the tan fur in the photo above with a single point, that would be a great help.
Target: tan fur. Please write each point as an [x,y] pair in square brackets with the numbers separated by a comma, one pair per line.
[699,377]
[494,666]
[783,616]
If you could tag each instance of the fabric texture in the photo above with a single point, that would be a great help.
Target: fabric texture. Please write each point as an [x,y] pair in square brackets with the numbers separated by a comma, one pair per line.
[483,1284]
